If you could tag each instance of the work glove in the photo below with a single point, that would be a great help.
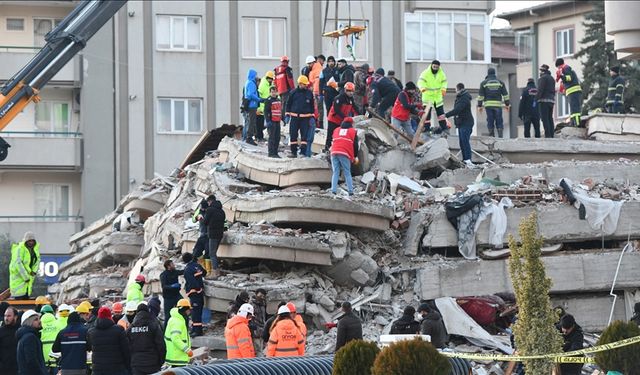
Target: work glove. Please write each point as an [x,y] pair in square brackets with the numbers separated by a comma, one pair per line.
[190,353]
[330,325]
[175,285]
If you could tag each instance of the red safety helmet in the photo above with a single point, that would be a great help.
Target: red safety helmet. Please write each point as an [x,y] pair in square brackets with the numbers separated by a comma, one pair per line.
[284,58]
[117,308]
[291,307]
[349,86]
[140,278]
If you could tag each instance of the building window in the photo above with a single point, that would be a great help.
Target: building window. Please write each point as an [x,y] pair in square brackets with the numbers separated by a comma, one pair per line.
[264,38]
[564,42]
[52,116]
[179,115]
[15,24]
[339,47]
[52,200]
[41,27]
[524,42]
[179,33]
[446,36]
[563,106]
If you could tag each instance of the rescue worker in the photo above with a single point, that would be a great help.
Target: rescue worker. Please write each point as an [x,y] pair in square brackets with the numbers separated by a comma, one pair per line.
[573,340]
[349,327]
[84,310]
[238,335]
[493,93]
[8,341]
[24,266]
[615,92]
[342,108]
[344,151]
[300,108]
[214,219]
[50,329]
[406,325]
[314,80]
[284,79]
[176,335]
[72,344]
[130,309]
[546,98]
[110,352]
[252,101]
[403,108]
[433,325]
[570,86]
[528,109]
[41,301]
[117,311]
[285,338]
[63,314]
[433,85]
[134,292]
[383,93]
[170,286]
[273,116]
[201,248]
[297,318]
[463,119]
[392,76]
[263,92]
[29,349]
[259,303]
[269,323]
[146,340]
[329,74]
[346,74]
[360,92]
[194,286]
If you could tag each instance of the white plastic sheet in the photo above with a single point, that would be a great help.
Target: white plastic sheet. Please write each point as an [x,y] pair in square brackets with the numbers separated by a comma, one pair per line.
[602,214]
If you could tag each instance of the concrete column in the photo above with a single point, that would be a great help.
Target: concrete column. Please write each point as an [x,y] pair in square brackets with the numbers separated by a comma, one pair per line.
[147,34]
[122,103]
[209,50]
[222,82]
[376,31]
[234,63]
[294,37]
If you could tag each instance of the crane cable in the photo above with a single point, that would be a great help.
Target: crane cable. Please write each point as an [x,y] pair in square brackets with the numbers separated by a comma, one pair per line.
[326,16]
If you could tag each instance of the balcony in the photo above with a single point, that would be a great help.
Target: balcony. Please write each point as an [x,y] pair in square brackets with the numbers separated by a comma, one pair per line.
[621,22]
[15,57]
[58,151]
[52,232]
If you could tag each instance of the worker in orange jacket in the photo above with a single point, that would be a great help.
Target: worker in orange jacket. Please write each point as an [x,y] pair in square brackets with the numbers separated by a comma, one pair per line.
[286,339]
[238,335]
[298,319]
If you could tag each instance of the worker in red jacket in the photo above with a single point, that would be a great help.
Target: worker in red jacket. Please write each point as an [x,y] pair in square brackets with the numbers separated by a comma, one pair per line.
[342,108]
[403,108]
[343,152]
[284,79]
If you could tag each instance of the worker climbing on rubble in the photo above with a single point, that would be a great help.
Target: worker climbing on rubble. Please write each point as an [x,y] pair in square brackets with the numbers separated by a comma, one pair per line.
[273,118]
[29,349]
[201,248]
[284,79]
[234,306]
[344,151]
[343,107]
[50,329]
[214,219]
[134,291]
[300,108]
[383,93]
[117,311]
[8,341]
[263,92]
[329,75]
[24,266]
[433,325]
[406,325]
[493,93]
[63,314]
[194,286]
[615,91]
[285,338]
[72,344]
[463,120]
[250,103]
[110,352]
[546,98]
[570,86]
[528,109]
[146,340]
[403,108]
[130,310]
[238,335]
[346,74]
[176,335]
[573,340]
[433,85]
[349,327]
[259,303]
[269,323]
[170,286]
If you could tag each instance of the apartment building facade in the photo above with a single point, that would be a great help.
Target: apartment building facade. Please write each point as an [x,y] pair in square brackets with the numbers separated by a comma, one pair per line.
[160,73]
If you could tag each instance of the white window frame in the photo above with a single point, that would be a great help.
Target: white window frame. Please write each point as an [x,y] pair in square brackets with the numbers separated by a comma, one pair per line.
[523,56]
[6,24]
[257,55]
[55,185]
[571,48]
[337,52]
[54,22]
[563,110]
[52,102]
[186,115]
[172,47]
[452,22]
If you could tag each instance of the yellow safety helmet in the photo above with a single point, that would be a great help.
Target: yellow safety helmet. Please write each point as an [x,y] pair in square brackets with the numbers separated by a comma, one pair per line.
[184,303]
[270,74]
[303,80]
[42,300]
[84,307]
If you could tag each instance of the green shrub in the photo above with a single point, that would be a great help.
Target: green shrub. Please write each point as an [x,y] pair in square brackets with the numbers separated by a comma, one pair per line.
[355,358]
[411,358]
[626,359]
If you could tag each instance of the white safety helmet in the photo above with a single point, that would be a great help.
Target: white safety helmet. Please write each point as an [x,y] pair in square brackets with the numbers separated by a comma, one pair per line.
[27,315]
[284,310]
[245,310]
[310,59]
[131,306]
[65,307]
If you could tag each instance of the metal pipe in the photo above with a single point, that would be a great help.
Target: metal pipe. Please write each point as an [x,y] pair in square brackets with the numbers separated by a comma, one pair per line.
[46,68]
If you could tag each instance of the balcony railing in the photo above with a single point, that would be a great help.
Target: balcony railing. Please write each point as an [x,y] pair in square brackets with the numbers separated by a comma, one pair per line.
[43,150]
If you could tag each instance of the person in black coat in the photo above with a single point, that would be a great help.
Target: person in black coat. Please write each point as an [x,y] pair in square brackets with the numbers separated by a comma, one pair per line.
[214,219]
[72,344]
[29,349]
[202,243]
[528,109]
[110,352]
[170,287]
[406,325]
[546,98]
[573,340]
[346,73]
[464,121]
[433,325]
[349,327]
[146,339]
[8,341]
[383,93]
[267,325]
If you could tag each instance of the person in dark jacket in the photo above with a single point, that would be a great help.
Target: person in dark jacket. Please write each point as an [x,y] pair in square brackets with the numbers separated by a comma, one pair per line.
[343,107]
[251,101]
[349,327]
[300,108]
[573,340]
[528,109]
[346,73]
[433,325]
[383,93]
[570,86]
[170,287]
[234,306]
[146,340]
[268,323]
[29,349]
[392,76]
[214,219]
[201,248]
[259,303]
[110,352]
[463,120]
[273,118]
[72,345]
[406,325]
[194,286]
[8,341]
[493,93]
[546,98]
[615,92]
[636,313]
[329,74]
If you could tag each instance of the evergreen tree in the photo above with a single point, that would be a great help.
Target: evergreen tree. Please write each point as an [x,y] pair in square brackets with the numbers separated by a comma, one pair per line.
[598,56]
[534,330]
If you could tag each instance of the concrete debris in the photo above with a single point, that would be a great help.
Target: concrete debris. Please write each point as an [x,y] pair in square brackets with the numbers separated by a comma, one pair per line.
[434,154]
[613,127]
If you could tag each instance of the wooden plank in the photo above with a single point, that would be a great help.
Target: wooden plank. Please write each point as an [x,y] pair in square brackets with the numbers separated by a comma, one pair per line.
[393,128]
[418,134]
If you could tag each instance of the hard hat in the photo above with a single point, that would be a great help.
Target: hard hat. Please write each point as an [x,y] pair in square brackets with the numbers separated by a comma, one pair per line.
[64,307]
[291,307]
[46,309]
[310,59]
[303,80]
[284,310]
[284,58]
[349,86]
[83,308]
[42,300]
[140,278]
[184,303]
[269,74]
[27,314]
[117,308]
[131,306]
[245,310]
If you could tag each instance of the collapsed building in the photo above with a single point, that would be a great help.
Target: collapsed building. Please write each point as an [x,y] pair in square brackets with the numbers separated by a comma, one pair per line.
[394,242]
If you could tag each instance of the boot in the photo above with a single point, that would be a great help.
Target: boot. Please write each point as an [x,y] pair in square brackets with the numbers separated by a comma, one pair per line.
[207,267]
[500,133]
[201,262]
[492,133]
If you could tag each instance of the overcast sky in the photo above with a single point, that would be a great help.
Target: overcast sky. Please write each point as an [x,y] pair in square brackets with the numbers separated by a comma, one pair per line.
[504,6]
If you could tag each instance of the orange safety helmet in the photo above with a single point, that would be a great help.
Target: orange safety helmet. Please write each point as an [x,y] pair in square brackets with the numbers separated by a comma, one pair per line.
[284,58]
[291,307]
[184,303]
[117,308]
[349,86]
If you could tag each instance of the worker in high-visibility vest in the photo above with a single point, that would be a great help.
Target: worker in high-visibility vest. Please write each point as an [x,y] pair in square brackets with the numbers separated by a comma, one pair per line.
[493,93]
[285,339]
[134,292]
[570,87]
[50,329]
[433,85]
[176,336]
[24,265]
[63,315]
[238,335]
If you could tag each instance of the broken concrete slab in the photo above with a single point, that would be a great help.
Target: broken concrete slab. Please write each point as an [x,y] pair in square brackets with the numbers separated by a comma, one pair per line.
[377,129]
[357,267]
[211,342]
[434,154]
[395,161]
[614,127]
[419,221]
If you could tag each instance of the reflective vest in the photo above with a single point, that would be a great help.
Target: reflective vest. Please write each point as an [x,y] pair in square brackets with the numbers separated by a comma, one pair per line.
[50,329]
[569,82]
[342,144]
[399,111]
[177,340]
[238,338]
[135,293]
[492,93]
[263,92]
[314,77]
[615,91]
[285,340]
[342,107]
[431,86]
[301,325]
[62,322]
[22,267]
[276,111]
[284,82]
